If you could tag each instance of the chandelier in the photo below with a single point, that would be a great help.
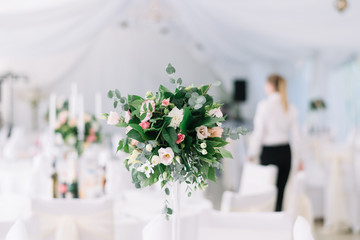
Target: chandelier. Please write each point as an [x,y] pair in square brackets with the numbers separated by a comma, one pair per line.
[341,5]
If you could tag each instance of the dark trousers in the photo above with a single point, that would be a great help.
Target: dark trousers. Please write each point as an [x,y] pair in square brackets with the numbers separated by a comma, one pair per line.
[280,156]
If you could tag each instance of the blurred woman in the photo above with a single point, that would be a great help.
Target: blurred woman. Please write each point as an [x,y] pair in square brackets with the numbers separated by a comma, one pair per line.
[275,121]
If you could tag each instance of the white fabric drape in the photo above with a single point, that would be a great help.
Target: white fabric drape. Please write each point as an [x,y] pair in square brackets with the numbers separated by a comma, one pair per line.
[54,29]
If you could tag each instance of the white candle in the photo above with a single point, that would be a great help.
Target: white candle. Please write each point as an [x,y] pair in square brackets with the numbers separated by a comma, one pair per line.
[81,119]
[52,113]
[73,101]
[98,105]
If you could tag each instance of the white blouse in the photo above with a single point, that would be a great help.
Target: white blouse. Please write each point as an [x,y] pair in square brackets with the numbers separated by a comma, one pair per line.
[274,126]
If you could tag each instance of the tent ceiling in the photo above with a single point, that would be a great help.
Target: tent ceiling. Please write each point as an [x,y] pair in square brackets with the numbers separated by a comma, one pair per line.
[227,32]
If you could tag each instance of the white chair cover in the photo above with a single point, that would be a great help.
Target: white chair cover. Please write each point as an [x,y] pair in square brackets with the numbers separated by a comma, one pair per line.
[214,225]
[160,229]
[302,229]
[75,219]
[297,202]
[17,232]
[257,190]
[4,228]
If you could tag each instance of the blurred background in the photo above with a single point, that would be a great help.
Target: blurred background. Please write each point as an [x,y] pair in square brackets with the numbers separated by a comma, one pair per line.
[63,55]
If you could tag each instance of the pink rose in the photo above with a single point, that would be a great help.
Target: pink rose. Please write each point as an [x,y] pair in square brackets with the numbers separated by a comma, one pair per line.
[127,116]
[166,155]
[165,102]
[144,125]
[63,117]
[202,132]
[113,118]
[180,138]
[216,132]
[91,138]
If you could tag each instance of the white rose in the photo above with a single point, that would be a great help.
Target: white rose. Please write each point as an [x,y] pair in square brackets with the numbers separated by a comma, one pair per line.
[177,116]
[203,145]
[155,160]
[149,148]
[70,140]
[204,152]
[113,118]
[216,112]
[202,132]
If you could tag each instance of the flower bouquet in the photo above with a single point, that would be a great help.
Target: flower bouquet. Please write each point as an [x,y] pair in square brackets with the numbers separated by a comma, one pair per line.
[172,136]
[67,130]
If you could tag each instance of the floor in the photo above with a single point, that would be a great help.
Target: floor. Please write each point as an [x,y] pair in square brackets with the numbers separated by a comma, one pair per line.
[320,234]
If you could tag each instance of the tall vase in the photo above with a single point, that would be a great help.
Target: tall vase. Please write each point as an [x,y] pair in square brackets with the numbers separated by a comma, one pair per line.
[176,212]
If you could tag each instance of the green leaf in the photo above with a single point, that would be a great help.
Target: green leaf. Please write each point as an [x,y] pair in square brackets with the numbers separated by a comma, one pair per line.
[167,191]
[208,121]
[179,81]
[135,135]
[117,93]
[169,211]
[170,69]
[172,80]
[115,104]
[110,94]
[137,128]
[122,100]
[225,153]
[186,120]
[170,135]
[212,174]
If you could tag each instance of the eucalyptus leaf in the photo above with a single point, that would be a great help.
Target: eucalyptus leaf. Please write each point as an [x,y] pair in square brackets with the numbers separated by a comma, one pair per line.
[170,69]
[117,93]
[110,94]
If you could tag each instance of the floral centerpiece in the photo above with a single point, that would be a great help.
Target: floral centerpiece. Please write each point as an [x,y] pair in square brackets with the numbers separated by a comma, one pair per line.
[67,129]
[172,136]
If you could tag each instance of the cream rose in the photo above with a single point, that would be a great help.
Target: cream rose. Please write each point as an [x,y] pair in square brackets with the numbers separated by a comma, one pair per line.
[166,155]
[177,116]
[202,132]
[113,118]
[216,112]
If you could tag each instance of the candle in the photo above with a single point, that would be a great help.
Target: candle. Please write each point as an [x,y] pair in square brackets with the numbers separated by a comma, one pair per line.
[52,113]
[81,119]
[98,105]
[73,101]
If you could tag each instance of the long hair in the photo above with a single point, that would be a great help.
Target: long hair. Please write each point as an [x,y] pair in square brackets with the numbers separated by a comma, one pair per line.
[279,84]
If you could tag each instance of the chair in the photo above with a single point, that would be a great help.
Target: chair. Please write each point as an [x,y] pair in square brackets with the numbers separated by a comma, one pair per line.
[4,228]
[257,190]
[160,229]
[17,232]
[215,225]
[302,229]
[297,201]
[75,219]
